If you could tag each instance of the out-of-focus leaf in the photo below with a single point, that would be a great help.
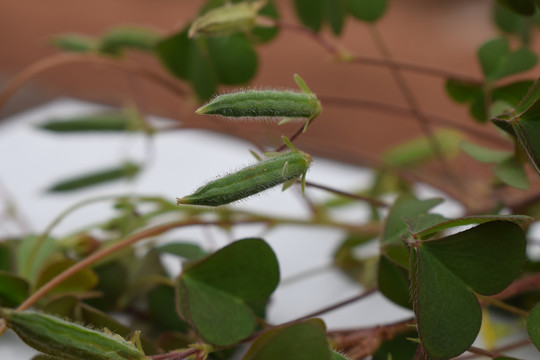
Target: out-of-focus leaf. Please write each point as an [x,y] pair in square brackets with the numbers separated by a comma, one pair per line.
[63,306]
[512,173]
[484,154]
[419,151]
[393,282]
[302,341]
[205,63]
[112,282]
[399,348]
[99,122]
[335,13]
[367,10]
[446,271]
[524,124]
[406,205]
[126,171]
[233,58]
[522,7]
[310,13]
[473,95]
[161,303]
[30,259]
[261,33]
[190,251]
[512,23]
[533,326]
[121,38]
[77,43]
[13,289]
[82,281]
[498,61]
[213,292]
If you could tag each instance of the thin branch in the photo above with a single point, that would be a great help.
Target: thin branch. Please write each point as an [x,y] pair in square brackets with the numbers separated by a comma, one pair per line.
[62,59]
[364,60]
[177,355]
[335,306]
[400,110]
[484,352]
[372,201]
[423,121]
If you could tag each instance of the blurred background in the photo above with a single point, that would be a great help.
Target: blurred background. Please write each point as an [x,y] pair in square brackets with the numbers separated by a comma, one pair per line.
[442,35]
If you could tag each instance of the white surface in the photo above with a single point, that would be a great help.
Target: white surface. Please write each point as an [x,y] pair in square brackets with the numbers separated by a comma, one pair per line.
[31,160]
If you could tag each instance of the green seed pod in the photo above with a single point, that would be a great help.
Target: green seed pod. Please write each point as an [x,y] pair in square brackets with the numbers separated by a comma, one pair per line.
[65,340]
[127,170]
[250,180]
[227,19]
[266,104]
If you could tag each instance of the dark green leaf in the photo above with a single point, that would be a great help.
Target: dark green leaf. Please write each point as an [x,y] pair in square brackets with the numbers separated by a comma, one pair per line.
[484,259]
[512,23]
[62,306]
[367,10]
[80,282]
[445,309]
[126,171]
[186,250]
[393,282]
[99,122]
[497,60]
[333,9]
[112,282]
[213,292]
[533,326]
[468,220]
[13,289]
[234,59]
[75,43]
[462,92]
[173,52]
[399,348]
[523,7]
[118,39]
[301,341]
[310,13]
[161,304]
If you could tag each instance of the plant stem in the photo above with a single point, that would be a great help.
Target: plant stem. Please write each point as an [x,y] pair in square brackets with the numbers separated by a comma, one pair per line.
[423,121]
[62,59]
[501,305]
[335,306]
[364,60]
[371,201]
[177,355]
[501,349]
[400,110]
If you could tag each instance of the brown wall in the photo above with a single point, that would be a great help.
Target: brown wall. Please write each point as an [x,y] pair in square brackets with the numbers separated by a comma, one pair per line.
[434,33]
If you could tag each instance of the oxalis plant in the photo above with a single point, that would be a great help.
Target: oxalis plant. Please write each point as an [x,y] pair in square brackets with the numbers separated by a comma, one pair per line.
[58,293]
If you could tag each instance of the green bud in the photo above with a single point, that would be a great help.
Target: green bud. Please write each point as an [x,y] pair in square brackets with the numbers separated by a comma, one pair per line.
[251,180]
[227,19]
[66,340]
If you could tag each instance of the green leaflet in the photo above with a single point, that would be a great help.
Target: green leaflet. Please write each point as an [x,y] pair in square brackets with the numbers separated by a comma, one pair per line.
[250,180]
[66,340]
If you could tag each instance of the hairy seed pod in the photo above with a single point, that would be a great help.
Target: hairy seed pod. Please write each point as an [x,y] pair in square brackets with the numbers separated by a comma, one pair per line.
[250,180]
[65,340]
[227,19]
[263,103]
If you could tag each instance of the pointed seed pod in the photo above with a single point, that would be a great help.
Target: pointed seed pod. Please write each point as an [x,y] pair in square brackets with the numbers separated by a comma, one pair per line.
[265,103]
[227,19]
[250,180]
[66,340]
